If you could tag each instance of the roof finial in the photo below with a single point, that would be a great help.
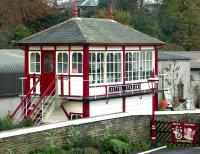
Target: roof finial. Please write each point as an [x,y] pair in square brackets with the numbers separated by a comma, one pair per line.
[110,13]
[75,11]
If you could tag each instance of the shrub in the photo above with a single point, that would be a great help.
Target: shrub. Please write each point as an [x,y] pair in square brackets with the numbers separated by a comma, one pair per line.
[90,150]
[118,144]
[47,151]
[75,151]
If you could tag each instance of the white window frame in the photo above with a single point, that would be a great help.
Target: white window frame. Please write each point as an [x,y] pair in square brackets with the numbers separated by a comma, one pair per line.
[105,68]
[71,62]
[66,52]
[29,62]
[142,61]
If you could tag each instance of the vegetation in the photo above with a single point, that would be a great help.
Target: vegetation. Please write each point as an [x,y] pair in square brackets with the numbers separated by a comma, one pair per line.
[6,123]
[175,22]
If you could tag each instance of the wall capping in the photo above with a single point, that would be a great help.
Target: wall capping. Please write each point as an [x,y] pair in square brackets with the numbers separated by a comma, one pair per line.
[23,131]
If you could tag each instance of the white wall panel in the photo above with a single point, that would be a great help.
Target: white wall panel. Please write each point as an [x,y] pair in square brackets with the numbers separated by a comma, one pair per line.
[76,48]
[97,48]
[37,86]
[97,91]
[147,48]
[114,48]
[66,86]
[48,47]
[34,48]
[103,107]
[76,86]
[132,48]
[65,48]
[139,104]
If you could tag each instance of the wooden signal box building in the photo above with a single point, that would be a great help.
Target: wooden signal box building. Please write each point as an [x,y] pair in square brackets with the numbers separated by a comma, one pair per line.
[92,66]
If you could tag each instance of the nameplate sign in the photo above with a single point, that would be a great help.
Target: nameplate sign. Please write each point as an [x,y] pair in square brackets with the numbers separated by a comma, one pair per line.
[124,88]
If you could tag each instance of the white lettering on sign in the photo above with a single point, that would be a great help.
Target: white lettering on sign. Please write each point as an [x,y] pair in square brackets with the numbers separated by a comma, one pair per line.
[124,88]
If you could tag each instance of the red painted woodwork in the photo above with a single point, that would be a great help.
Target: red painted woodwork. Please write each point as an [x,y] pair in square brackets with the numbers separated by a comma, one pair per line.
[156,72]
[69,82]
[111,13]
[26,71]
[47,71]
[86,81]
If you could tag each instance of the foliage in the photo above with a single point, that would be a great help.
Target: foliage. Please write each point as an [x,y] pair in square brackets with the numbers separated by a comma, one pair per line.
[119,144]
[90,150]
[6,123]
[47,151]
[141,145]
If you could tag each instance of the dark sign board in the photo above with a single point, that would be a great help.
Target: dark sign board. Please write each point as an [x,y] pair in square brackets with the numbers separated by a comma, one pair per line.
[184,133]
[124,88]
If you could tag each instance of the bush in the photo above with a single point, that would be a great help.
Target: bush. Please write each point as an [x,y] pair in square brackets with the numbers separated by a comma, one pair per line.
[75,151]
[47,151]
[90,150]
[118,144]
[141,145]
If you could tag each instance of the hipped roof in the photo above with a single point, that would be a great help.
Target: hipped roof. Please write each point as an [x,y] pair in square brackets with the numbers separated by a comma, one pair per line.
[90,31]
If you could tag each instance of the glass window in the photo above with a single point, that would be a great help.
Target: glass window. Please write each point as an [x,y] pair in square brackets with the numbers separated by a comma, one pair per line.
[62,62]
[77,62]
[48,63]
[139,65]
[35,62]
[97,64]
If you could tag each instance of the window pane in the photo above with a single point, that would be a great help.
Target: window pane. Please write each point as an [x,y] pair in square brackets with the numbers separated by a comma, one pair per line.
[37,57]
[65,68]
[32,67]
[48,64]
[37,67]
[65,57]
[59,67]
[60,57]
[33,59]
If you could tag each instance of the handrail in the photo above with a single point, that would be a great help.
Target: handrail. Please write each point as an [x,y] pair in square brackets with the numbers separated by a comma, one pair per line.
[49,100]
[24,99]
[41,98]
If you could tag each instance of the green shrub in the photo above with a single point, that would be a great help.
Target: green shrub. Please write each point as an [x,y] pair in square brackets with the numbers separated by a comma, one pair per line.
[75,151]
[47,151]
[118,144]
[141,145]
[90,150]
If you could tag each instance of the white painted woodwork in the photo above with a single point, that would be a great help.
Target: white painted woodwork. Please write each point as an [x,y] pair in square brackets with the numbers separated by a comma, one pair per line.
[139,104]
[37,90]
[147,48]
[103,107]
[73,106]
[97,48]
[59,87]
[48,48]
[145,86]
[66,86]
[65,48]
[77,48]
[114,48]
[134,48]
[34,48]
[94,91]
[76,86]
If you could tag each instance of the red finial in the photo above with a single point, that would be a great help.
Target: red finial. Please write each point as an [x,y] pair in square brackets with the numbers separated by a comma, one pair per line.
[111,13]
[75,11]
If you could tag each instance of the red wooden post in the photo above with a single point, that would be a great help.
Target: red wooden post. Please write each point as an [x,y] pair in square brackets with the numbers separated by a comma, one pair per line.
[86,104]
[111,13]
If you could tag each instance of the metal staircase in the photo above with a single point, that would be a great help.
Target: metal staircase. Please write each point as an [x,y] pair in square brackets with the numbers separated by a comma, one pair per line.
[35,106]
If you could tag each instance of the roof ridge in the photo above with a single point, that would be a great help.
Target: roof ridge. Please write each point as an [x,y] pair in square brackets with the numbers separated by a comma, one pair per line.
[82,34]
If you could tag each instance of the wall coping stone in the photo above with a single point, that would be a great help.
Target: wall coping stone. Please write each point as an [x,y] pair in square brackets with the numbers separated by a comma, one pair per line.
[23,131]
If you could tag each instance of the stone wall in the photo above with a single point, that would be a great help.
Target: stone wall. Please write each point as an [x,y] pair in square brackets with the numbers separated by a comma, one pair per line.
[136,126]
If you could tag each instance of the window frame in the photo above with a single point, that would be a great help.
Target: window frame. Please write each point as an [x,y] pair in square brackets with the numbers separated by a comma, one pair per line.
[58,52]
[141,60]
[105,67]
[29,61]
[71,62]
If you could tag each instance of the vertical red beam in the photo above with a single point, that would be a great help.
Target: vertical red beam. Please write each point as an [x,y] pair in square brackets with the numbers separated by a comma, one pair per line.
[69,62]
[156,73]
[124,77]
[86,104]
[26,74]
[26,71]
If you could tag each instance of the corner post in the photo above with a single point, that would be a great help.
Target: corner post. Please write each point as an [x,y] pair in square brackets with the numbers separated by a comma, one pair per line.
[86,103]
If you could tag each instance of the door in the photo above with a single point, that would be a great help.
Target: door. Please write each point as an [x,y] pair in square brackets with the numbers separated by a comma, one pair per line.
[48,72]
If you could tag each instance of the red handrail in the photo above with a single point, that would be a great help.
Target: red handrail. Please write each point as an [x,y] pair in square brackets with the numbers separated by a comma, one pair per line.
[24,99]
[41,98]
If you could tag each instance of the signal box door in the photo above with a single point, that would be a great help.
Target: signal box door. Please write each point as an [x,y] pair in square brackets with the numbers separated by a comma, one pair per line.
[48,72]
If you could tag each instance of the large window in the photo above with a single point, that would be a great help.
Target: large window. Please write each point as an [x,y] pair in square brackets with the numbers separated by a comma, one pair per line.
[34,62]
[62,62]
[97,67]
[105,67]
[139,65]
[114,67]
[77,62]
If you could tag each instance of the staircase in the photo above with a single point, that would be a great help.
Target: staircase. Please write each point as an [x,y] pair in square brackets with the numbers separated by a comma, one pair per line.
[34,106]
